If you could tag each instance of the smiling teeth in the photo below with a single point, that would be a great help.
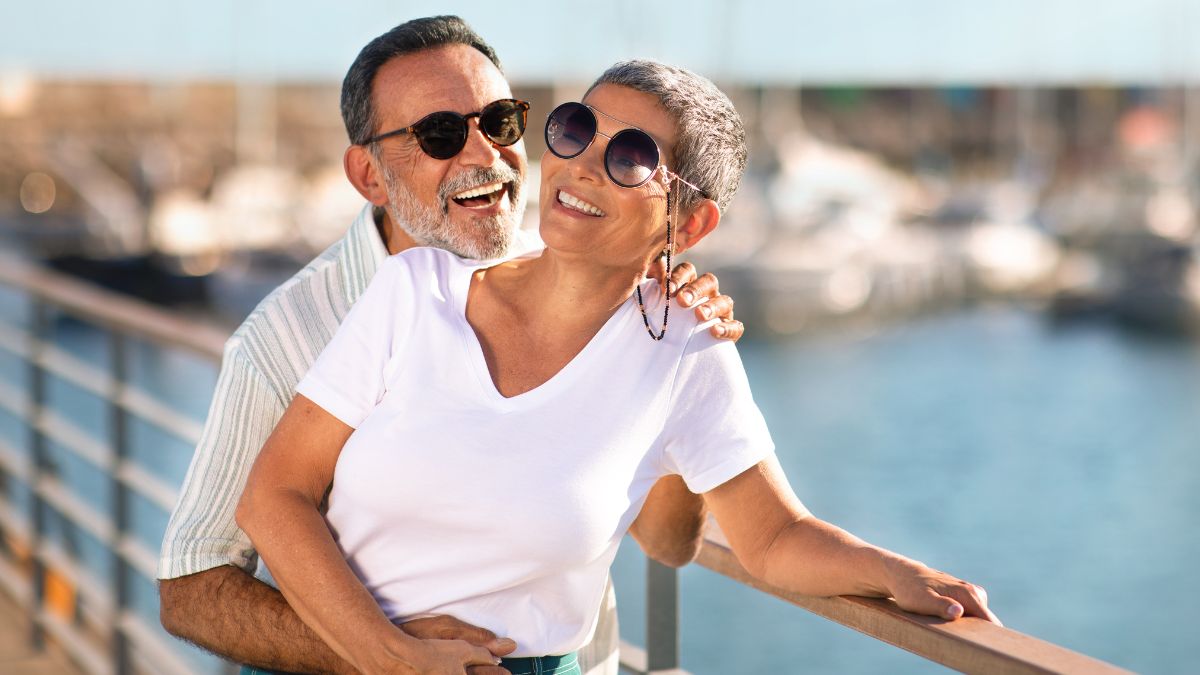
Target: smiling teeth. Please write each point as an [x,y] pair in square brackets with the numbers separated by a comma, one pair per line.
[479,191]
[578,204]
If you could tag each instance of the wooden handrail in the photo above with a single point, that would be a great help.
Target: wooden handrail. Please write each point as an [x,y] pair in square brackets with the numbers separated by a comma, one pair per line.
[107,308]
[968,645]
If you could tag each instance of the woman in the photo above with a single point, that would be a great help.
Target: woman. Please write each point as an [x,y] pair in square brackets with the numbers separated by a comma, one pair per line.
[496,488]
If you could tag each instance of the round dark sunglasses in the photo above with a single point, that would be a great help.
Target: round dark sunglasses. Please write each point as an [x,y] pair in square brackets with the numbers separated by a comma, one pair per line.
[443,134]
[631,157]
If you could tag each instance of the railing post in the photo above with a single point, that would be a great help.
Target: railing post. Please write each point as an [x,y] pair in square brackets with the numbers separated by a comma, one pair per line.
[38,334]
[662,617]
[119,441]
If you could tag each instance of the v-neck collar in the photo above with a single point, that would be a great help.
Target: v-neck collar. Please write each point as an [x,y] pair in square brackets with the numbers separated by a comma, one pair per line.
[460,287]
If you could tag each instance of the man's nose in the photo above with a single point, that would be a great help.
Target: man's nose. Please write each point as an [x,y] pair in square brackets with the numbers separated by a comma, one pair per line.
[479,149]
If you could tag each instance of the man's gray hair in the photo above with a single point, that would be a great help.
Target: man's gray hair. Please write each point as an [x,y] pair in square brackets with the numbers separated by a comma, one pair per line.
[358,108]
[710,146]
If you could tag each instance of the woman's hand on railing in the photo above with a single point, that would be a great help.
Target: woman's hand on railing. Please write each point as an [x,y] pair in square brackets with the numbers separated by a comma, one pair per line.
[921,589]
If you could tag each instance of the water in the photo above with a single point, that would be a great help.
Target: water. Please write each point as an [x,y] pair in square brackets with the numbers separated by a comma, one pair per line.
[1058,468]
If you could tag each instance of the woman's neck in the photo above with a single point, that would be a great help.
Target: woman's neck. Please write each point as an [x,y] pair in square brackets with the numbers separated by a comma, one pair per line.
[569,288]
[550,306]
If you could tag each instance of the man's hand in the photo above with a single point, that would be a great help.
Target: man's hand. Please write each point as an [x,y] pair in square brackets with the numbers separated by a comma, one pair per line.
[688,288]
[450,628]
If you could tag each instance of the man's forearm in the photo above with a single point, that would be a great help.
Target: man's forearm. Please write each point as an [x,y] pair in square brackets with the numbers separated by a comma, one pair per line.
[232,614]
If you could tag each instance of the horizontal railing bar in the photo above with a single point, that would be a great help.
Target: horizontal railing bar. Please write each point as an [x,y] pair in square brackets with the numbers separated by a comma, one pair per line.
[139,557]
[15,583]
[67,434]
[146,484]
[86,584]
[633,658]
[143,406]
[158,652]
[132,551]
[112,310]
[74,370]
[968,645]
[14,463]
[14,340]
[84,654]
[88,377]
[76,510]
[11,522]
[14,400]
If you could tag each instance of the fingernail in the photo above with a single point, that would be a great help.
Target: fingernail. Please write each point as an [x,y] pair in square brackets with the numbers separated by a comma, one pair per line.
[672,287]
[720,330]
[706,311]
[686,296]
[955,611]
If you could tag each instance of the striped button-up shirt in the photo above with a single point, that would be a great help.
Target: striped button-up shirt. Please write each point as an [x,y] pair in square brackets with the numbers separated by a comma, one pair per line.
[263,360]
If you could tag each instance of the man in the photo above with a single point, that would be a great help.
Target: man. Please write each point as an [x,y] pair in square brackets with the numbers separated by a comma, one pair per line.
[427,186]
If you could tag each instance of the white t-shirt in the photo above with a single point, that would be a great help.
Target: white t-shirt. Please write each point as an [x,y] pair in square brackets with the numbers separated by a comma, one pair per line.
[507,512]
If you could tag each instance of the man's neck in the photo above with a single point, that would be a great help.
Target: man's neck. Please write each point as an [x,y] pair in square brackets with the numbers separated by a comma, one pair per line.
[395,239]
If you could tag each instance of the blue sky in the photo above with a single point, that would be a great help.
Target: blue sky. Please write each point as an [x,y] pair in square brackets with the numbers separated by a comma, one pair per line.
[865,41]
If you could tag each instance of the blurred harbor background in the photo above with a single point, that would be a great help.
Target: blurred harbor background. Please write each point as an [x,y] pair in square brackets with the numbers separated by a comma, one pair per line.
[965,251]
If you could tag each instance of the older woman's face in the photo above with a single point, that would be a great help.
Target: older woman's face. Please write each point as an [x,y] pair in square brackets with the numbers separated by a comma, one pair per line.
[631,225]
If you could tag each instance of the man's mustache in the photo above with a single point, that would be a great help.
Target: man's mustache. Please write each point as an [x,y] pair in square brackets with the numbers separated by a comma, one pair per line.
[476,177]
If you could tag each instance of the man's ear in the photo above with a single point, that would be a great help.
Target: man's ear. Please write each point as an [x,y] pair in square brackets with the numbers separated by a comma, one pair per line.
[702,219]
[364,175]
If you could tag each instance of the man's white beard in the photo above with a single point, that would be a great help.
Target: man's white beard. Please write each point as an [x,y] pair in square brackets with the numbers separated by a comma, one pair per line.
[483,238]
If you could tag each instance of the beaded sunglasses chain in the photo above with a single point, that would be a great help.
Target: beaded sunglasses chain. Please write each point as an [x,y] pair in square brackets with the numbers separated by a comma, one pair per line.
[666,284]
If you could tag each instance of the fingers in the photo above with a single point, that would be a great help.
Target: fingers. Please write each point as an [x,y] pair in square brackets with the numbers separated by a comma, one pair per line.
[974,602]
[960,599]
[932,603]
[472,655]
[728,330]
[487,670]
[682,275]
[692,288]
[720,307]
[449,628]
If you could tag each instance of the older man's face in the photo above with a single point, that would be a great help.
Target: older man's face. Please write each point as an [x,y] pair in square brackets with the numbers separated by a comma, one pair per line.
[426,195]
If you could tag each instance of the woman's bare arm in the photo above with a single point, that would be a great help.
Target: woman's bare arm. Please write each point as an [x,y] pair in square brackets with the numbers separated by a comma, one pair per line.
[777,540]
[670,527]
[279,511]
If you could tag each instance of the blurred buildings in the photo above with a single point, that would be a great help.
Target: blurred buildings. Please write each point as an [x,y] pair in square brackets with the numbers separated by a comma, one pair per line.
[859,202]
[203,159]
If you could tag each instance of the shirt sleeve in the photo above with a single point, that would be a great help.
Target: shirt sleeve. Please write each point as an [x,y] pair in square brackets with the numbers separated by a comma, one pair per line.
[714,431]
[202,533]
[349,378]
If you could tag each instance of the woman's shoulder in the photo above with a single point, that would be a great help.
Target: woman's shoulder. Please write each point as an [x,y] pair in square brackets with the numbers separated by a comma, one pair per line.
[686,333]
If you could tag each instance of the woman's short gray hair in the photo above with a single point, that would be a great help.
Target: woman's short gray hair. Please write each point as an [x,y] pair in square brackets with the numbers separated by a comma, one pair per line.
[710,147]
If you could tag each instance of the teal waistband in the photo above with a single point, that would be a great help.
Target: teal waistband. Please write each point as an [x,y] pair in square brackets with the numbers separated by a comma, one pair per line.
[567,664]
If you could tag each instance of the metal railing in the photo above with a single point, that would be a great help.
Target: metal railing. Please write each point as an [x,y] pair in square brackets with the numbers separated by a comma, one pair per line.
[106,635]
[84,602]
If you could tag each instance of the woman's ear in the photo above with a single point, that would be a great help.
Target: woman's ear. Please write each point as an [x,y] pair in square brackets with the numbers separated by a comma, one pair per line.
[702,219]
[364,175]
